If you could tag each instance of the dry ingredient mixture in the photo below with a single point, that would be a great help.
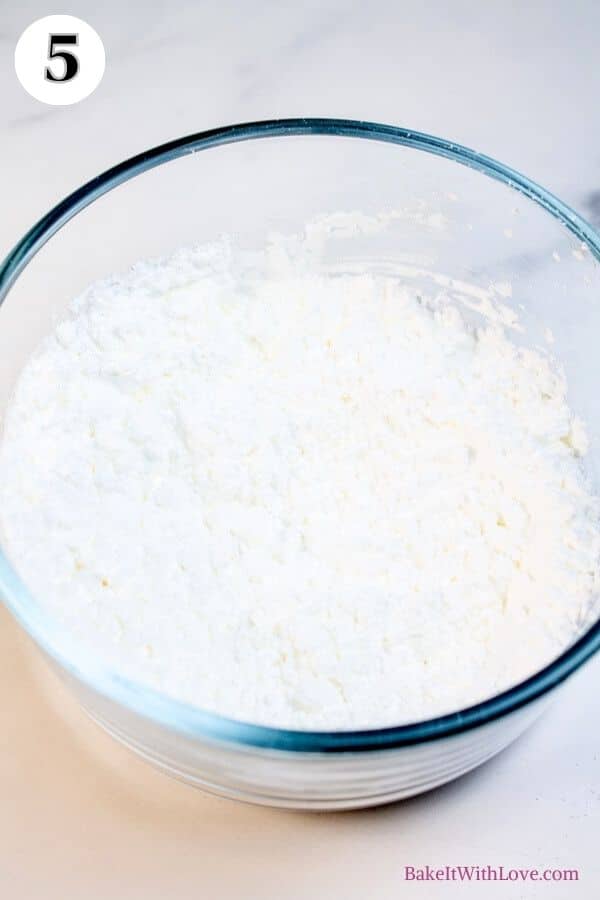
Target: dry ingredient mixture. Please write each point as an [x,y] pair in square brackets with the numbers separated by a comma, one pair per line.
[308,501]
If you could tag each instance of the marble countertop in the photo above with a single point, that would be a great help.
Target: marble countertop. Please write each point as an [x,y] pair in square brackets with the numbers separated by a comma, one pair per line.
[82,817]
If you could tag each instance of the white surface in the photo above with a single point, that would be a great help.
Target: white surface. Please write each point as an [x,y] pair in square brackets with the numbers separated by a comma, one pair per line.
[521,84]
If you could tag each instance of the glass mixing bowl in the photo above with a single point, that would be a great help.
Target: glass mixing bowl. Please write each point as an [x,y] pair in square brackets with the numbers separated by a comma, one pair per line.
[462,223]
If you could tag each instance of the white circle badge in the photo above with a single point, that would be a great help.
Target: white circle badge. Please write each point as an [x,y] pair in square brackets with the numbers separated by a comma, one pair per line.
[60,60]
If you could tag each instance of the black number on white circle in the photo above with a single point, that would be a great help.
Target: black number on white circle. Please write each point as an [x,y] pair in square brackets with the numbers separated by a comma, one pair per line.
[70,60]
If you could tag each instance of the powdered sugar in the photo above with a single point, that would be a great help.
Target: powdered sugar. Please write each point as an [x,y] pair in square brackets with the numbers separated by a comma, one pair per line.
[309,501]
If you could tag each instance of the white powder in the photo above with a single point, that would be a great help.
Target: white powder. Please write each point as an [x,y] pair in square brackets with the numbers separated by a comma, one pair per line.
[308,501]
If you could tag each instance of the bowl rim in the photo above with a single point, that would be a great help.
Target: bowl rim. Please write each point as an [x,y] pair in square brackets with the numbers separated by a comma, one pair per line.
[194,721]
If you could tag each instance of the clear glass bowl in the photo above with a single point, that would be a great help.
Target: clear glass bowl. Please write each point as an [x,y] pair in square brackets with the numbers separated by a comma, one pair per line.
[492,234]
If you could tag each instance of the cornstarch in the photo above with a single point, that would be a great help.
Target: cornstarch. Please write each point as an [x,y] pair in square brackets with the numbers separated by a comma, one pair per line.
[312,501]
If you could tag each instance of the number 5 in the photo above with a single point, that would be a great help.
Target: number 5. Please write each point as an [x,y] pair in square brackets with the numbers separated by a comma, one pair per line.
[70,60]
